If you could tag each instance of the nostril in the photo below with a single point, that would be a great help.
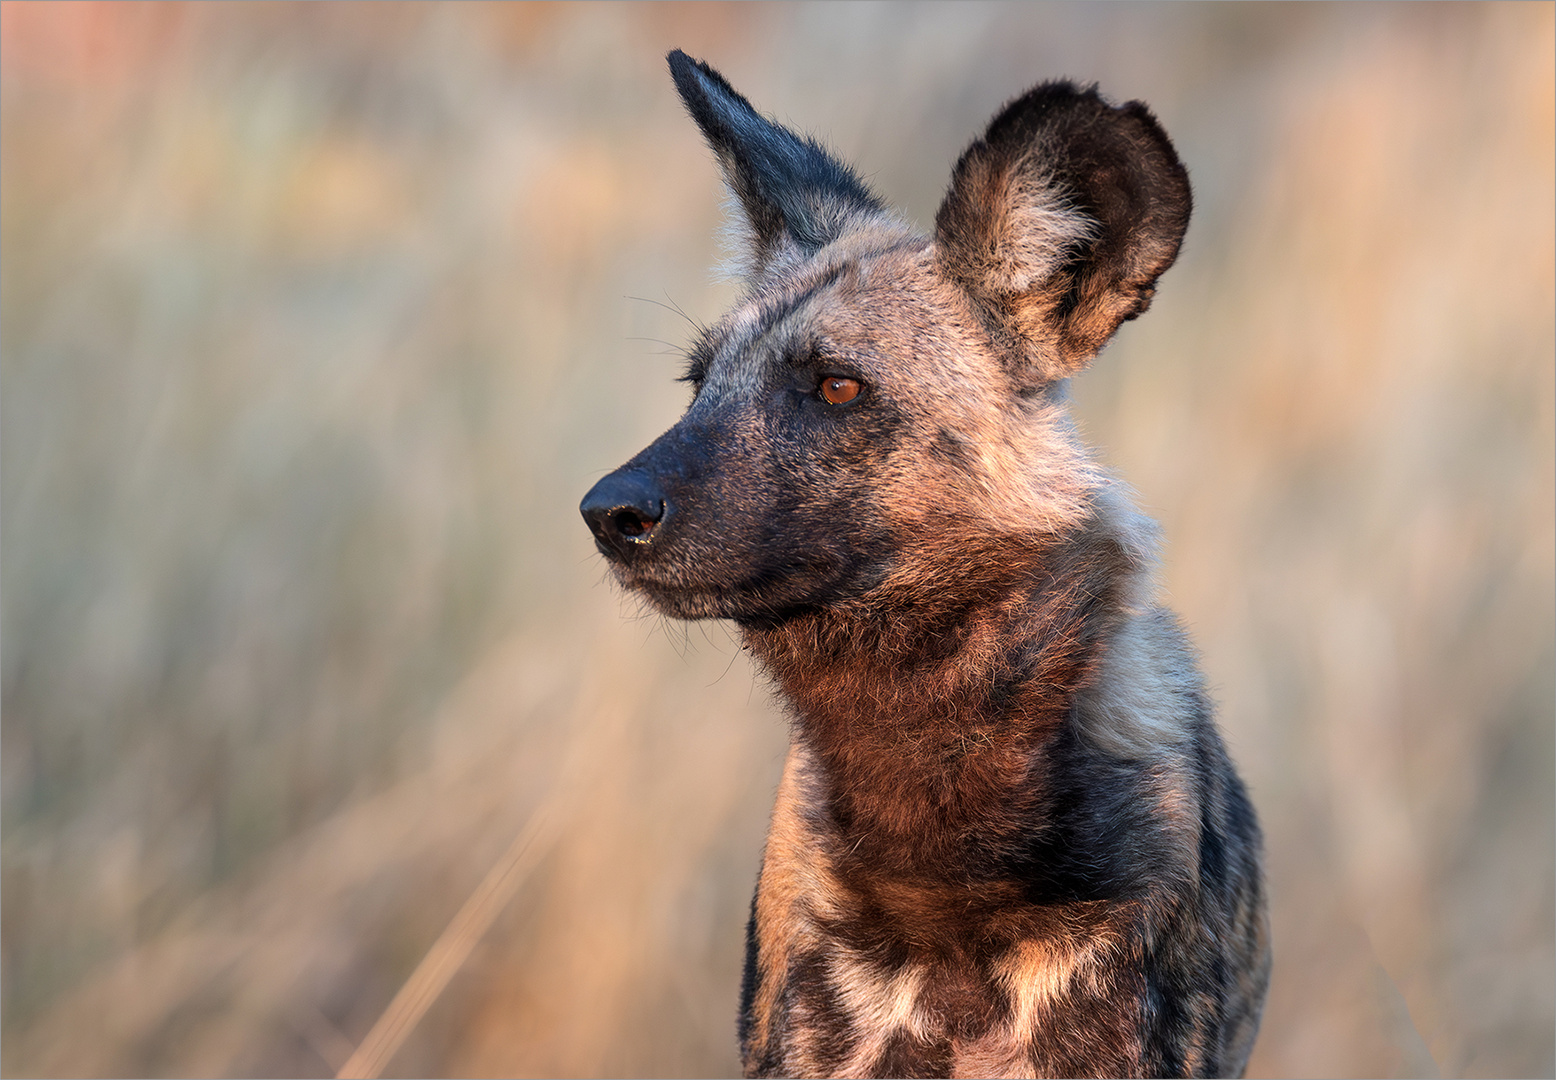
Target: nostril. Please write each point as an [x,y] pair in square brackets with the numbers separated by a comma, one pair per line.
[634,524]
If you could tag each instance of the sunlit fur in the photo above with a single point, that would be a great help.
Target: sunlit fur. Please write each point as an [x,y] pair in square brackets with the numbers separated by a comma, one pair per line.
[1008,840]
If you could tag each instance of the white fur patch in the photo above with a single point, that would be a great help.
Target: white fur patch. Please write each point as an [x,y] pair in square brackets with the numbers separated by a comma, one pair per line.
[879,1004]
[1037,230]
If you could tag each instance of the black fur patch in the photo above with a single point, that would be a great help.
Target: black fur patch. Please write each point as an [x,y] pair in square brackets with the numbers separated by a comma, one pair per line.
[782,179]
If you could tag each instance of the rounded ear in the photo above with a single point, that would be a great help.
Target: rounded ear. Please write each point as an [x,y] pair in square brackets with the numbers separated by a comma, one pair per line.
[792,192]
[1059,221]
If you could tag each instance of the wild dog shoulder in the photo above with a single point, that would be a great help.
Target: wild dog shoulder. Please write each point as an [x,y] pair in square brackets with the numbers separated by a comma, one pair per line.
[1147,693]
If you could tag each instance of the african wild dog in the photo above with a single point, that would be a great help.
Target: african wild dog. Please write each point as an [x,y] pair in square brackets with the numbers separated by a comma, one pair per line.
[1008,840]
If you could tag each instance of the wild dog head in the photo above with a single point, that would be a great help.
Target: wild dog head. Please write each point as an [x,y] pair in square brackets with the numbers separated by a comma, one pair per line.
[876,392]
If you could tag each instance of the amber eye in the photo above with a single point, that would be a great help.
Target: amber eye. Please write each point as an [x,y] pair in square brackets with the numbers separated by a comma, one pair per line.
[838,390]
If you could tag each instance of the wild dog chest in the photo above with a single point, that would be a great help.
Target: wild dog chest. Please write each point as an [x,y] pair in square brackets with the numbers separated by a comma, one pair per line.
[859,969]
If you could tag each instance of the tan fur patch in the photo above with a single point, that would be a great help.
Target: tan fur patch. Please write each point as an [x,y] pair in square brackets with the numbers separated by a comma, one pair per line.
[797,886]
[879,1004]
[1039,973]
[999,1053]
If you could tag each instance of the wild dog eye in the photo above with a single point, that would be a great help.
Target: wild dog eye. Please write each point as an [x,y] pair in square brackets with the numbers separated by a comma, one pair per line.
[839,389]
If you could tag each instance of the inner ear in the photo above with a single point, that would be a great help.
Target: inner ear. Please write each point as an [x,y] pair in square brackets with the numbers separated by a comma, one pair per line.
[1060,219]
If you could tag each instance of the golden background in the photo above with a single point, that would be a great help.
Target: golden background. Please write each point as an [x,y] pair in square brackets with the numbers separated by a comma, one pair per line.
[318,320]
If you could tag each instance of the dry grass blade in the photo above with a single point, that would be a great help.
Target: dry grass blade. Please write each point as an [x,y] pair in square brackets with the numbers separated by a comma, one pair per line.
[595,726]
[449,953]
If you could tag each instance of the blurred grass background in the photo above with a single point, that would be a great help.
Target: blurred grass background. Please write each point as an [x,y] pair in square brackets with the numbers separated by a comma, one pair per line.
[319,319]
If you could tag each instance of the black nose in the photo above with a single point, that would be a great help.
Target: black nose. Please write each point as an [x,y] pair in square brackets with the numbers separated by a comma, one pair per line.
[623,510]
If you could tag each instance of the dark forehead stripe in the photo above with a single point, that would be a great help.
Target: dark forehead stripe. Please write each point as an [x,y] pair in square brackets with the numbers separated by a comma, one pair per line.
[770,311]
[773,309]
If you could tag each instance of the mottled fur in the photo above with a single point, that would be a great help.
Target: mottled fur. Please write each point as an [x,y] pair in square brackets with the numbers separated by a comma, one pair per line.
[1008,840]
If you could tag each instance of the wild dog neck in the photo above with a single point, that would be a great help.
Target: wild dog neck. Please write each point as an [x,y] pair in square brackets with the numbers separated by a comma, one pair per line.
[929,723]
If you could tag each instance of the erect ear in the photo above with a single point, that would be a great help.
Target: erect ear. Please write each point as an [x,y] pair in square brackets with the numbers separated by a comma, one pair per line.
[1059,221]
[792,191]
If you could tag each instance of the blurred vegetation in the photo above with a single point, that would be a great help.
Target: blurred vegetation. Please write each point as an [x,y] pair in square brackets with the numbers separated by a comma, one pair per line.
[319,319]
